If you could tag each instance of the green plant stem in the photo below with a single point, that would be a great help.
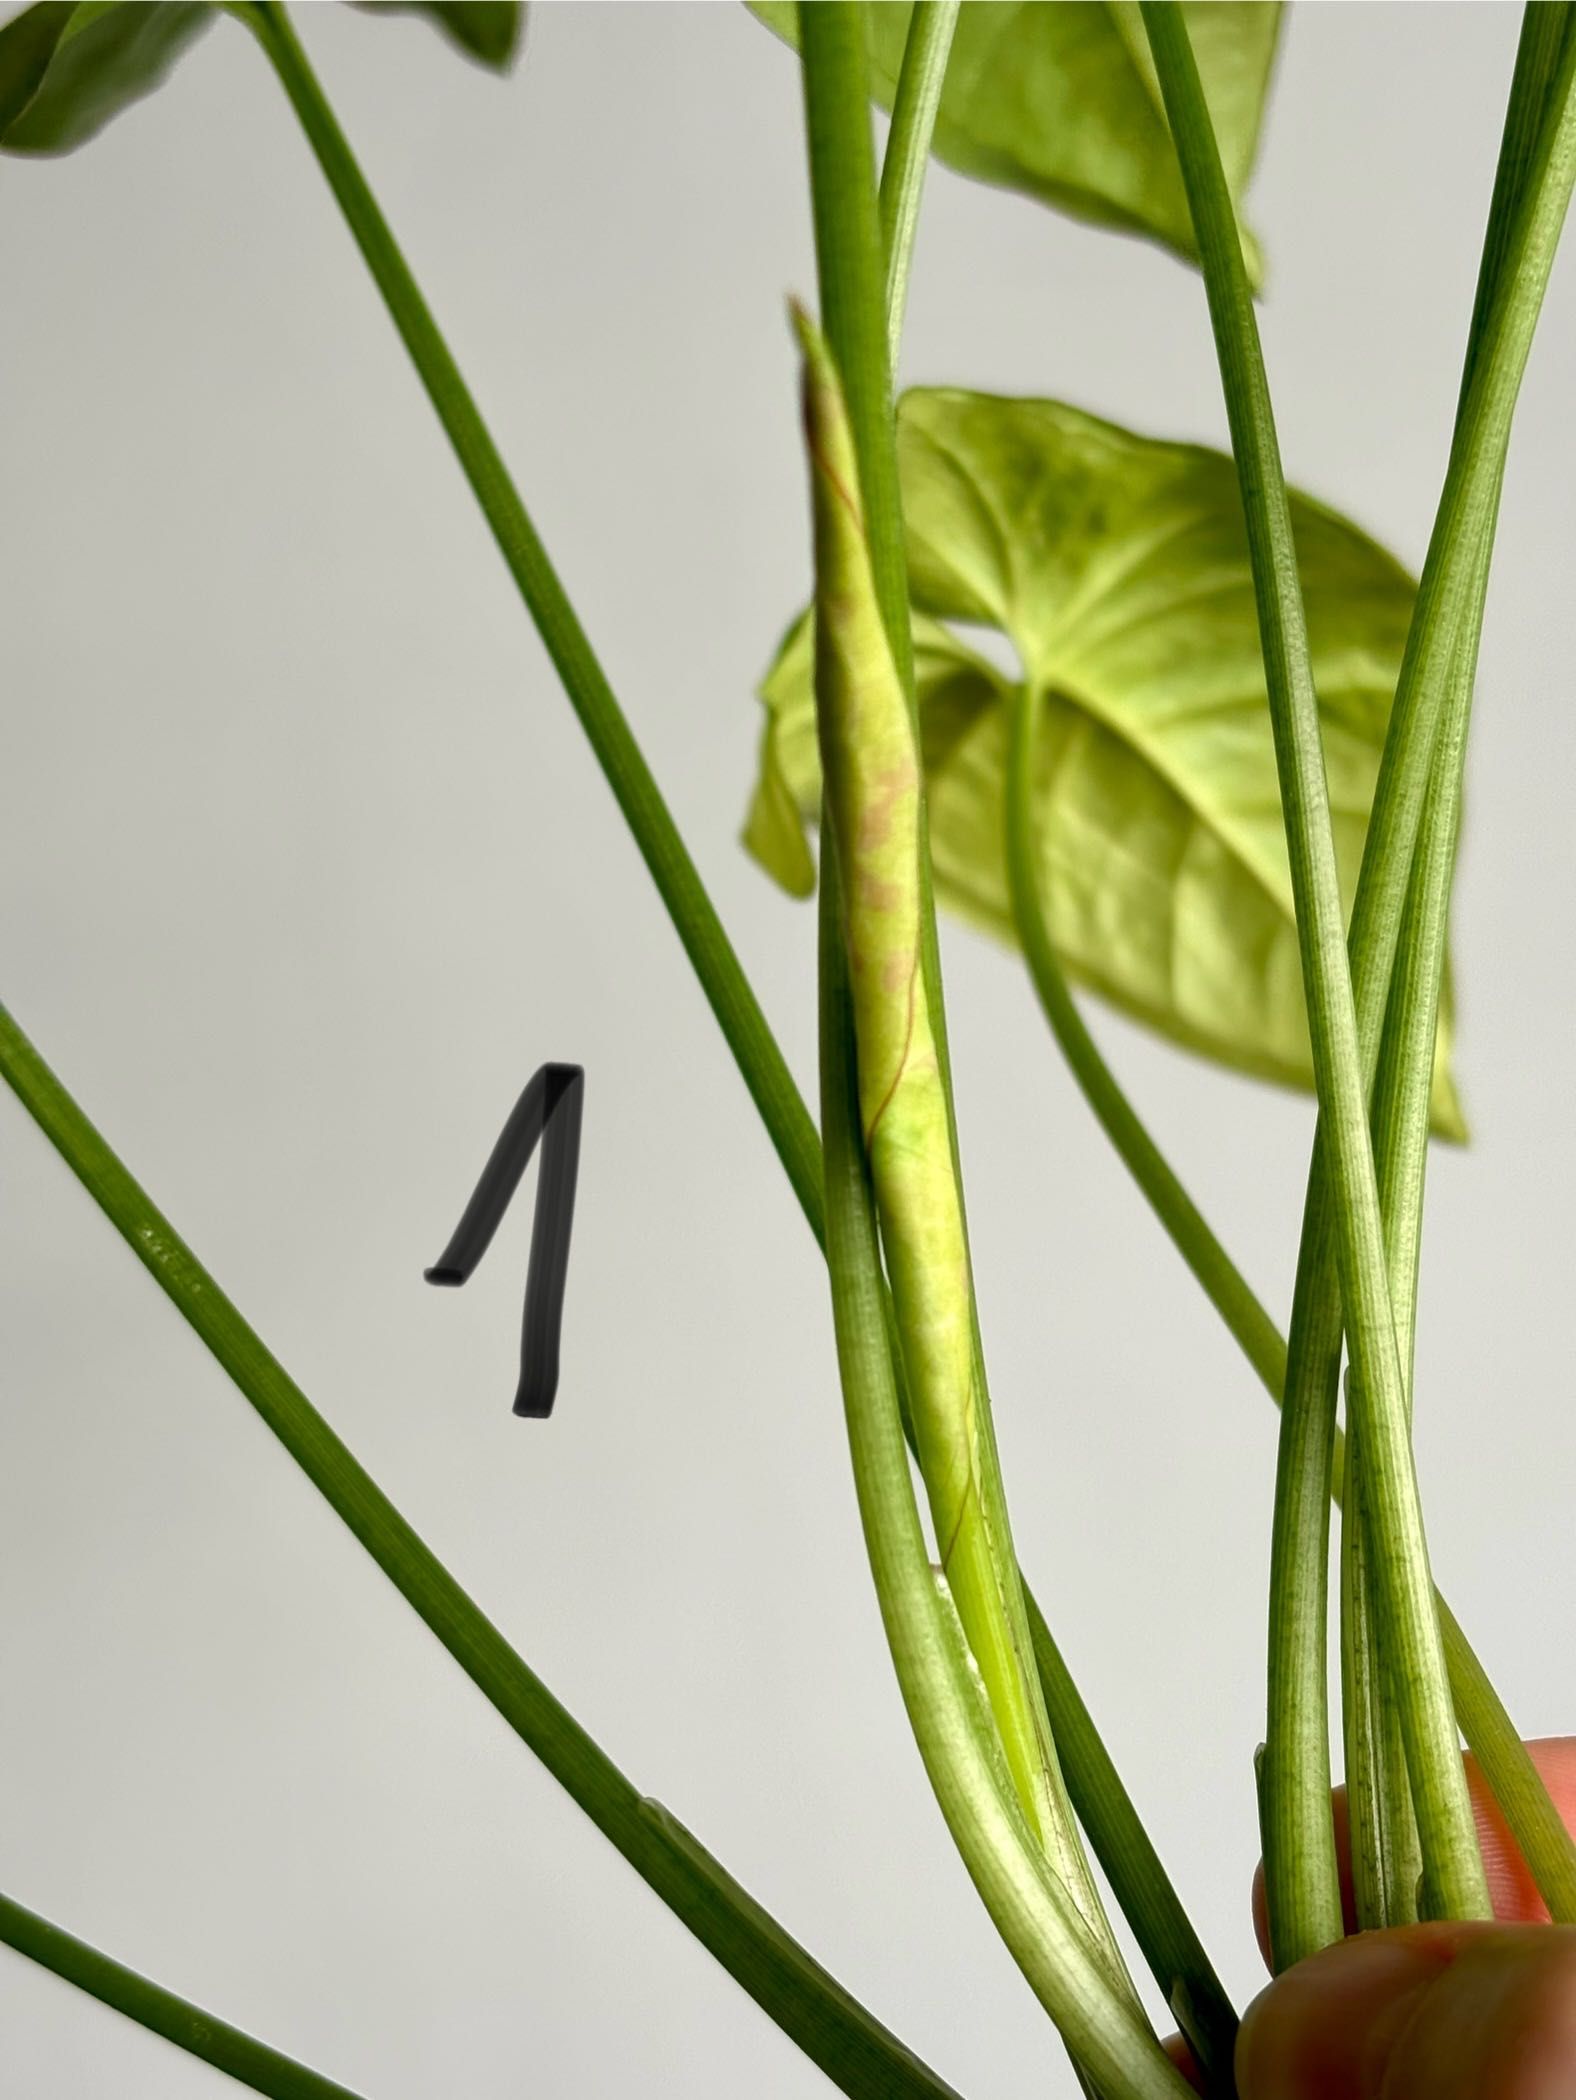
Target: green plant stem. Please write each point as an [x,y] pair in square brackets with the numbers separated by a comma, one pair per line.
[851,274]
[1501,1754]
[1297,1830]
[975,1534]
[788,1121]
[810,2006]
[903,167]
[1224,1284]
[1385,1855]
[1175,1954]
[1403,1080]
[1526,190]
[1165,1935]
[1512,1778]
[1386,1861]
[1045,1932]
[1403,1585]
[239,2056]
[1170,1946]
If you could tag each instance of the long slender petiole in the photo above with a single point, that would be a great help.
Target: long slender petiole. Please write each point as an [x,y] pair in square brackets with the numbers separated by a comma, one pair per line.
[1403,1584]
[1385,1864]
[229,2049]
[1490,1733]
[1298,1845]
[1223,1282]
[919,85]
[732,999]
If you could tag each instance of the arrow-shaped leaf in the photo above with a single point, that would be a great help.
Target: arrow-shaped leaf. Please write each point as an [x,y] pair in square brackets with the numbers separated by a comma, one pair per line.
[1117,567]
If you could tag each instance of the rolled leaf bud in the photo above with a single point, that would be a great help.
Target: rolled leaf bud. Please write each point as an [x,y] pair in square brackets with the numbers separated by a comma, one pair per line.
[871,769]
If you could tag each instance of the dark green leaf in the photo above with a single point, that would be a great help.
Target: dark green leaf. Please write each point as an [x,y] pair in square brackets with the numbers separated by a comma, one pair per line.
[66,70]
[488,30]
[1061,102]
[1117,567]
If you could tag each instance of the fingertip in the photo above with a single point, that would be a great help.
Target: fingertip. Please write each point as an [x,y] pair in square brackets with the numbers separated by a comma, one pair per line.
[1511,1885]
[1323,2029]
[1182,2056]
[1453,2012]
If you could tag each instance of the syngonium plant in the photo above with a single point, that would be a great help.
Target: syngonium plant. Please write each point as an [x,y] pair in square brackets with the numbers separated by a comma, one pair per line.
[1221,789]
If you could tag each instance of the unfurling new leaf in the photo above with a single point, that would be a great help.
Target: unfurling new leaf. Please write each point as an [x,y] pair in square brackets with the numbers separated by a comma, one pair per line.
[871,769]
[1117,567]
[874,802]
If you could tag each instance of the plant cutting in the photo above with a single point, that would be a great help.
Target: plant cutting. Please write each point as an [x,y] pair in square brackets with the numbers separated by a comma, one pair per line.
[1220,788]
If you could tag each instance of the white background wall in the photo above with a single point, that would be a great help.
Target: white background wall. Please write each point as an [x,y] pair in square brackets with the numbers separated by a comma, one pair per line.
[304,866]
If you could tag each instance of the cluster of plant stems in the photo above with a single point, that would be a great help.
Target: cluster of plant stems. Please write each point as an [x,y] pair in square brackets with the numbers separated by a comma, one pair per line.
[1016,1762]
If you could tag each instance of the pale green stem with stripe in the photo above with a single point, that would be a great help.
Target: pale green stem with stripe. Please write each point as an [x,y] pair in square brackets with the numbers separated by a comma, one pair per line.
[1044,1930]
[1385,1854]
[1444,598]
[1299,1850]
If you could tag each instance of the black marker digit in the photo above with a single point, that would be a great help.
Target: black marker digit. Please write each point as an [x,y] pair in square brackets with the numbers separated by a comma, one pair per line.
[549,1110]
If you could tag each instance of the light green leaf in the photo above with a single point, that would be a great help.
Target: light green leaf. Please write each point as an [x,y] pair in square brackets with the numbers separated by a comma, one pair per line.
[1062,102]
[66,70]
[488,30]
[1117,567]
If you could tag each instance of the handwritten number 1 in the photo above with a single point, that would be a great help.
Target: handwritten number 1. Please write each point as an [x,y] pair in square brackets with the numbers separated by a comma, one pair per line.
[548,1110]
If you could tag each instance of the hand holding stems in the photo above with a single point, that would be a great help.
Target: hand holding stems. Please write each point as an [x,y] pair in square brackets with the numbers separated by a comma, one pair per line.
[1453,2011]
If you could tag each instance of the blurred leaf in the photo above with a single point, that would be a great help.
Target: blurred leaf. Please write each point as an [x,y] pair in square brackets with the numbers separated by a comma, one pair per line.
[488,30]
[1117,568]
[66,70]
[1062,102]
